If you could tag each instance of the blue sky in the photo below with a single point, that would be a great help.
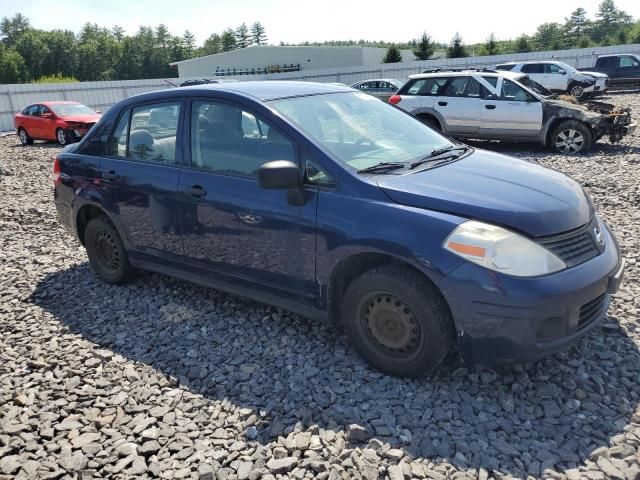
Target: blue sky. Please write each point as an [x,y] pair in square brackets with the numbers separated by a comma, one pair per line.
[299,20]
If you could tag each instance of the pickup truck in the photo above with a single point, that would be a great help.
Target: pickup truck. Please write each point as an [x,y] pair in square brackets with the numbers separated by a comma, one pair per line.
[623,69]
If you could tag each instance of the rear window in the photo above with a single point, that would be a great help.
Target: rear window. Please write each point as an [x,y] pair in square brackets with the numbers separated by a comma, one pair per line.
[533,68]
[425,87]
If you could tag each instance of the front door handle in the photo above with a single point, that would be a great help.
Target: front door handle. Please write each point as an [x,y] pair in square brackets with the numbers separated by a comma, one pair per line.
[490,107]
[111,175]
[196,191]
[443,104]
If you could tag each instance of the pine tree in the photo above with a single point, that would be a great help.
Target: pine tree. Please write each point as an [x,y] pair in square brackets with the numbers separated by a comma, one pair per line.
[456,48]
[523,44]
[490,47]
[189,42]
[576,25]
[258,34]
[118,32]
[242,36]
[211,45]
[425,47]
[393,55]
[228,40]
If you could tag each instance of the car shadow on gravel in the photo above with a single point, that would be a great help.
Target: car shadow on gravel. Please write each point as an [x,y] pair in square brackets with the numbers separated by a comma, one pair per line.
[520,420]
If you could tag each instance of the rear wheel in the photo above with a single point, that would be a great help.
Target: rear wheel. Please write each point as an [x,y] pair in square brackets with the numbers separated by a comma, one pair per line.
[106,251]
[432,122]
[62,136]
[571,137]
[24,137]
[397,321]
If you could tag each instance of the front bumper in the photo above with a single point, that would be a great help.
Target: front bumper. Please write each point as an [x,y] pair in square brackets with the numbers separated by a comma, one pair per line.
[502,319]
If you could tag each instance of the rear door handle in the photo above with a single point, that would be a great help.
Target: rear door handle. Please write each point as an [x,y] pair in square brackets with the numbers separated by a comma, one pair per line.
[490,107]
[196,191]
[443,104]
[111,175]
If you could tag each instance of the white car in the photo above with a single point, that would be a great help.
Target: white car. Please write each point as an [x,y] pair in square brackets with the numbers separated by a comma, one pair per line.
[498,105]
[560,77]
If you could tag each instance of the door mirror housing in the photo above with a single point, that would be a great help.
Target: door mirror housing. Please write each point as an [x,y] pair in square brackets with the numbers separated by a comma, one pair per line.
[562,72]
[280,175]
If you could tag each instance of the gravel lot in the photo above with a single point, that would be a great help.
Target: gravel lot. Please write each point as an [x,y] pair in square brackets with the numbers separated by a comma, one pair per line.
[164,378]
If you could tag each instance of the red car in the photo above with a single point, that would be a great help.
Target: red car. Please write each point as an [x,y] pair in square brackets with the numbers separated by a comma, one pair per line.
[64,122]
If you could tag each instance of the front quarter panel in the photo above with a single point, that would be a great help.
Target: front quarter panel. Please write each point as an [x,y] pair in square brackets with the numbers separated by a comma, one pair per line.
[349,225]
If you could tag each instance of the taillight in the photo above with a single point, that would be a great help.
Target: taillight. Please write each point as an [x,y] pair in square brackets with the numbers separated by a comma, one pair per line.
[395,99]
[56,171]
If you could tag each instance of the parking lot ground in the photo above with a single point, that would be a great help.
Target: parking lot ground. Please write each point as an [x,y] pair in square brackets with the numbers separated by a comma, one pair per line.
[161,378]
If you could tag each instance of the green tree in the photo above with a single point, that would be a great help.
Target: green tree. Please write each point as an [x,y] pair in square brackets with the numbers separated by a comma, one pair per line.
[393,55]
[228,40]
[609,20]
[549,36]
[12,66]
[576,25]
[61,54]
[242,36]
[189,41]
[33,48]
[12,28]
[490,47]
[456,48]
[211,45]
[258,34]
[584,42]
[425,47]
[523,44]
[118,32]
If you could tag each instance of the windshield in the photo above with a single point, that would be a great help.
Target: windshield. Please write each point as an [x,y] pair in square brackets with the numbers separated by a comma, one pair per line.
[361,130]
[69,109]
[535,86]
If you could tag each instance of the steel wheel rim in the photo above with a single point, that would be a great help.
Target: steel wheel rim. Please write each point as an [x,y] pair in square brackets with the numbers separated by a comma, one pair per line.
[23,136]
[61,138]
[577,91]
[391,325]
[569,141]
[107,251]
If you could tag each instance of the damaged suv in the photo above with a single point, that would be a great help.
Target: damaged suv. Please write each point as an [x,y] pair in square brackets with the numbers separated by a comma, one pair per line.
[499,105]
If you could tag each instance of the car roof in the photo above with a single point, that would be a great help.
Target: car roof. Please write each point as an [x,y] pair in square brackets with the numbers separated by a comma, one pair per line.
[619,55]
[270,89]
[57,102]
[531,61]
[377,80]
[466,73]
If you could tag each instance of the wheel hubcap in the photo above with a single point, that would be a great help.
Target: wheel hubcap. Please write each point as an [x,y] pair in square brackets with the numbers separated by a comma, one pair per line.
[23,136]
[569,141]
[61,138]
[107,251]
[391,324]
[577,92]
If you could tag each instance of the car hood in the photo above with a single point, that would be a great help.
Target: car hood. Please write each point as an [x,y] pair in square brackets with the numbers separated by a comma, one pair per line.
[497,189]
[82,118]
[594,74]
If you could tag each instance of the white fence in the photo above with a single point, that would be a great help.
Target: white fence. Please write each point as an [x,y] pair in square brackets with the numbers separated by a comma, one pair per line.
[101,95]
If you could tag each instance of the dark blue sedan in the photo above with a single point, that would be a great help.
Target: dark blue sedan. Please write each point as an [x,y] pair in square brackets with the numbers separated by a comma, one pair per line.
[327,202]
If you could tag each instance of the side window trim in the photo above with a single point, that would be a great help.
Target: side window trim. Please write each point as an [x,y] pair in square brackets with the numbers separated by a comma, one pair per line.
[187,148]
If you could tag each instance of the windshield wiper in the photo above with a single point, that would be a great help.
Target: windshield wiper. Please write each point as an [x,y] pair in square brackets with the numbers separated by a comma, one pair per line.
[382,166]
[436,153]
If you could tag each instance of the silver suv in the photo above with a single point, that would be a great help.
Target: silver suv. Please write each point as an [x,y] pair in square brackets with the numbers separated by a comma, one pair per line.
[499,105]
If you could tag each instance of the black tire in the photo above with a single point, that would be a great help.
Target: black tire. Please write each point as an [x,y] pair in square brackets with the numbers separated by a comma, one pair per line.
[432,122]
[571,137]
[576,90]
[106,252]
[397,306]
[24,137]
[62,137]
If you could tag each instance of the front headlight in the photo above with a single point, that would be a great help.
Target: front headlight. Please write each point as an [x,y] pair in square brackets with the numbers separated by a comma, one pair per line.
[501,250]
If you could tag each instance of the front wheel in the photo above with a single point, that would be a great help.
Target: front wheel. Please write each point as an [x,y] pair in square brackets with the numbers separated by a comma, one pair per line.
[106,252]
[24,137]
[62,136]
[397,321]
[571,137]
[577,91]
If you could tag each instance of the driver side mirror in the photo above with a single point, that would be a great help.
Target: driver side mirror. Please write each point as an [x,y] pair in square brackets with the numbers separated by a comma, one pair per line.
[562,72]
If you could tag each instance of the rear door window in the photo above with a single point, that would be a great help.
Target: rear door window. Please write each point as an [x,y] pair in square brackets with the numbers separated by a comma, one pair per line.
[463,87]
[426,87]
[147,133]
[533,68]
